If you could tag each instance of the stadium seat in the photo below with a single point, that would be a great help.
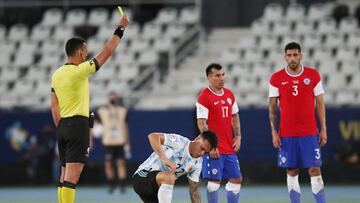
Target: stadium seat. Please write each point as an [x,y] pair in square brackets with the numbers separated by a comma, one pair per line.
[123,58]
[348,25]
[229,56]
[322,53]
[36,73]
[189,15]
[336,82]
[350,67]
[22,88]
[345,53]
[174,31]
[345,98]
[268,42]
[62,33]
[273,12]
[334,40]
[42,88]
[9,75]
[259,27]
[353,40]
[52,60]
[247,42]
[354,83]
[151,30]
[8,102]
[75,17]
[304,27]
[18,32]
[281,27]
[105,74]
[139,45]
[128,72]
[98,16]
[162,44]
[23,59]
[166,16]
[326,25]
[317,11]
[94,45]
[295,12]
[40,32]
[52,17]
[2,32]
[246,83]
[51,46]
[5,59]
[328,66]
[148,58]
[28,46]
[252,55]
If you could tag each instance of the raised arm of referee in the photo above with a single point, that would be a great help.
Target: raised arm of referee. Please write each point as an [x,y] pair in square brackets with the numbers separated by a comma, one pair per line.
[70,98]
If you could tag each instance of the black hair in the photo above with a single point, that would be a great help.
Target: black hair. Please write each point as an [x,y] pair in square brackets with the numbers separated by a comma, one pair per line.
[293,45]
[211,137]
[211,66]
[73,45]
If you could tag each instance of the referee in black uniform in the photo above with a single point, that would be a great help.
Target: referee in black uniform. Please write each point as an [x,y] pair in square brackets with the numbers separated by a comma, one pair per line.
[70,107]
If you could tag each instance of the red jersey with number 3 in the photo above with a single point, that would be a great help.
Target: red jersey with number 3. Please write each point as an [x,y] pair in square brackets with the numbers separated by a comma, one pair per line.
[296,95]
[218,110]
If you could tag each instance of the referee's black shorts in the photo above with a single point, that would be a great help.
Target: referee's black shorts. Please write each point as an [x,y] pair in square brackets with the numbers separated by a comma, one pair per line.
[146,187]
[73,139]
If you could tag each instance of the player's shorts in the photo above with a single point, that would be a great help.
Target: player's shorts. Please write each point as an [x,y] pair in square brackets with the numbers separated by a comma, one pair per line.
[226,167]
[299,152]
[114,152]
[145,186]
[73,139]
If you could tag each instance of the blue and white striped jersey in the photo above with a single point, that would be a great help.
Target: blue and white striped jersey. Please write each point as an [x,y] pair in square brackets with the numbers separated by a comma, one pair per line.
[176,148]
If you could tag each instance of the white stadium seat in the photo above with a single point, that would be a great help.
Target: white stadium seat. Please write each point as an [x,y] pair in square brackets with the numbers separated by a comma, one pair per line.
[75,17]
[52,17]
[98,16]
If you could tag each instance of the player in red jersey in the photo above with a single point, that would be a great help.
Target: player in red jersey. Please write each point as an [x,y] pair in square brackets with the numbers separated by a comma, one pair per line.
[217,110]
[298,89]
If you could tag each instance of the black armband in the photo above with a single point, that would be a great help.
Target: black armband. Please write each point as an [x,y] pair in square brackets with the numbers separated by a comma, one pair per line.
[119,31]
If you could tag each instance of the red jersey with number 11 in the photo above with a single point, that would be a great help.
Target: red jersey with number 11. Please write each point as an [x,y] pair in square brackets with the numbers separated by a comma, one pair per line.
[296,94]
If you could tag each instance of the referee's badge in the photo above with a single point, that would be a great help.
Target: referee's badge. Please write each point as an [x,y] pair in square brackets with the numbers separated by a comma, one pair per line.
[307,81]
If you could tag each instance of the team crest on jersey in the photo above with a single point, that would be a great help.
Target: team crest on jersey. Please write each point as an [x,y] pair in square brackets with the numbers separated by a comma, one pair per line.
[214,171]
[228,101]
[307,81]
[173,138]
[283,159]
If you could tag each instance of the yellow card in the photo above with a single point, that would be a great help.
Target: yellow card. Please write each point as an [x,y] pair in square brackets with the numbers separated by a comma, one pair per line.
[121,11]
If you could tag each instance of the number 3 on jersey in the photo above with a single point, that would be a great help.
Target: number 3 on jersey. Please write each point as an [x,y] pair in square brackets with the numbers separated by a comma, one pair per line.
[295,90]
[225,111]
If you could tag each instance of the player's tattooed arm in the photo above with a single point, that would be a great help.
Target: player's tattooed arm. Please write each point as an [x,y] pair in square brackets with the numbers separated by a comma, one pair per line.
[236,124]
[194,192]
[273,122]
[272,113]
[202,124]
